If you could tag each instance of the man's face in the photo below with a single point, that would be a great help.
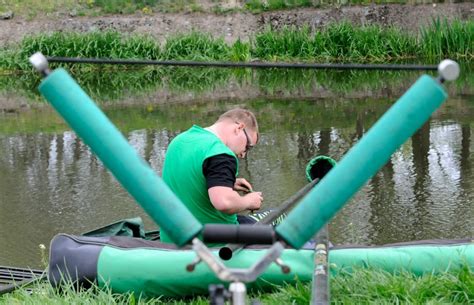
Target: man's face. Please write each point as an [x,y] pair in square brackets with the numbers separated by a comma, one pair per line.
[247,140]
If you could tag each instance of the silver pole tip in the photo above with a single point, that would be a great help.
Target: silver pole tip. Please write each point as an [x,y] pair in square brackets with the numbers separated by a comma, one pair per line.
[448,70]
[39,61]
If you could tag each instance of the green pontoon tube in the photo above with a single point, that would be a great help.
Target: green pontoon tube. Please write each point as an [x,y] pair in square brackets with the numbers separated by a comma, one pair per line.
[154,269]
[399,123]
[111,147]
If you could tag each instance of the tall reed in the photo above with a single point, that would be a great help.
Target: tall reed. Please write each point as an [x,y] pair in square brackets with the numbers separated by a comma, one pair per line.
[340,42]
[337,42]
[108,44]
[195,46]
[455,38]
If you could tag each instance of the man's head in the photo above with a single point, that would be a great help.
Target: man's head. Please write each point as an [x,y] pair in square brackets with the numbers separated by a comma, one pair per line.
[242,130]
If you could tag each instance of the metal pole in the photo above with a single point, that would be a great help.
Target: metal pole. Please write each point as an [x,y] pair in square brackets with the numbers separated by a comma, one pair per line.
[320,290]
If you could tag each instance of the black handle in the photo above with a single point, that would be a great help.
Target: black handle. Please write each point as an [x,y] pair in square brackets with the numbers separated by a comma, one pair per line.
[239,234]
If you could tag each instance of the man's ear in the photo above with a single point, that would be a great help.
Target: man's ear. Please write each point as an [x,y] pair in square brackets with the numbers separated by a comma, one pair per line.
[239,127]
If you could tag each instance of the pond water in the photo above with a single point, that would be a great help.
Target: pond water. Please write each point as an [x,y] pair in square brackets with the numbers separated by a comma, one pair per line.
[51,183]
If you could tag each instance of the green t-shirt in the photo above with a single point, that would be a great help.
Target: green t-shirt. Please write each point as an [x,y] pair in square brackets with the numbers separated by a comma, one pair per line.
[182,172]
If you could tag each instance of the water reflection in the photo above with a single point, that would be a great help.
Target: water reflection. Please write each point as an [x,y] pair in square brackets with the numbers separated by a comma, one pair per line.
[419,194]
[50,182]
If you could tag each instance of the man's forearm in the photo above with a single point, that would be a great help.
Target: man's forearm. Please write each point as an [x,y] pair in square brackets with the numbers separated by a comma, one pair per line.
[228,201]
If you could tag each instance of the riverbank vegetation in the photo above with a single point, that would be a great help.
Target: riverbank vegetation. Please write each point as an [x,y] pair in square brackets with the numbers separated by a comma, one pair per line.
[359,287]
[336,43]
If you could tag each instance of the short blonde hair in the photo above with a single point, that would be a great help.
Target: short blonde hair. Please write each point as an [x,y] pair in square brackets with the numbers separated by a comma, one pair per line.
[242,116]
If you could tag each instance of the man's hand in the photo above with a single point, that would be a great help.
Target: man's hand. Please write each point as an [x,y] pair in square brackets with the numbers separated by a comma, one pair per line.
[255,200]
[242,185]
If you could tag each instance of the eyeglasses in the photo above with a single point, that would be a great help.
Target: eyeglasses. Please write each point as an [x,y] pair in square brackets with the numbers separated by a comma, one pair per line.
[248,146]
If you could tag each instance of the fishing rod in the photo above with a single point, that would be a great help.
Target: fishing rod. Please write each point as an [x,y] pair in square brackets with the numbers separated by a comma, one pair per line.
[254,64]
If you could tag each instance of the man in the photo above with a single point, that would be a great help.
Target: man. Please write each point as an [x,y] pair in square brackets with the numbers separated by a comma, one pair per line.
[201,166]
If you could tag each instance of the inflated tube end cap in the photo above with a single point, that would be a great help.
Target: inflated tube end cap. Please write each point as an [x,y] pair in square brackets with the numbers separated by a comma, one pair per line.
[448,70]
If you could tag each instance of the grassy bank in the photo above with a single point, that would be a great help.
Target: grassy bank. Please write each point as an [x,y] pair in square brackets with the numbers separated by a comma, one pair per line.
[336,43]
[360,287]
[33,8]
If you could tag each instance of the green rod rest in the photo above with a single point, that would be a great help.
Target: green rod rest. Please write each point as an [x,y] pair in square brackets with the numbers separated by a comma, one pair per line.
[111,147]
[363,161]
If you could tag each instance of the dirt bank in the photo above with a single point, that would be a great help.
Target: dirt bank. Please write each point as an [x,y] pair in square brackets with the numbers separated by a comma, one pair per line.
[235,25]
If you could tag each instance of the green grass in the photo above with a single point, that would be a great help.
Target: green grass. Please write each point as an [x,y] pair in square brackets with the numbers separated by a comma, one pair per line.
[257,6]
[363,286]
[195,46]
[456,38]
[39,8]
[366,286]
[121,6]
[31,8]
[94,45]
[336,43]
[344,42]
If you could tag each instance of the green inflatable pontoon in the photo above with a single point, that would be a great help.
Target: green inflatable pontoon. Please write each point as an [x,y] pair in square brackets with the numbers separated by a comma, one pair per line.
[152,268]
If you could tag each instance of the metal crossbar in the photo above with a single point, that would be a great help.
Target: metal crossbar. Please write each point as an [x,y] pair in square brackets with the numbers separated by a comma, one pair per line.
[12,278]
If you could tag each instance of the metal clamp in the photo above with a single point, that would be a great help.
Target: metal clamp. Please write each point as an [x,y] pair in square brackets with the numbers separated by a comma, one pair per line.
[237,274]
